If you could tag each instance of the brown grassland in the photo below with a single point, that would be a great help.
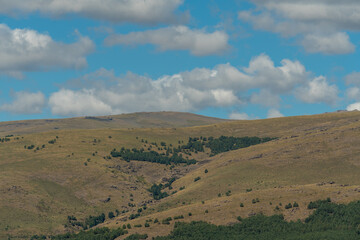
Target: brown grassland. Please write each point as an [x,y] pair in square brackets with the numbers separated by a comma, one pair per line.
[314,157]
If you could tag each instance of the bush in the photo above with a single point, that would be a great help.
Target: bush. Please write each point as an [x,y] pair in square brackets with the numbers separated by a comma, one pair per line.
[136,236]
[111,215]
[197,179]
[289,205]
[166,221]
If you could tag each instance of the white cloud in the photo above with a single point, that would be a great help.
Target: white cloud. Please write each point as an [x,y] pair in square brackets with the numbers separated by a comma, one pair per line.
[354,106]
[274,113]
[239,116]
[198,42]
[25,103]
[266,98]
[71,103]
[321,24]
[224,97]
[353,78]
[224,85]
[337,43]
[353,93]
[27,50]
[318,90]
[276,79]
[135,11]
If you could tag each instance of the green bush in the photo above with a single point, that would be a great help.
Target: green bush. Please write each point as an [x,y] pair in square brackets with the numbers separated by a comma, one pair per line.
[289,205]
[136,236]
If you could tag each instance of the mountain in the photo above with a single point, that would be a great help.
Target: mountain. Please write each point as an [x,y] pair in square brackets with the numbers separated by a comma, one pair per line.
[49,174]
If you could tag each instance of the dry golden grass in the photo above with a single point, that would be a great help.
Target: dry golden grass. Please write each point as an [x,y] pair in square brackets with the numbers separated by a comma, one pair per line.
[38,190]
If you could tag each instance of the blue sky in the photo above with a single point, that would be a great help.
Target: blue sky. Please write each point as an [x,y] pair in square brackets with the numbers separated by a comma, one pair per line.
[230,59]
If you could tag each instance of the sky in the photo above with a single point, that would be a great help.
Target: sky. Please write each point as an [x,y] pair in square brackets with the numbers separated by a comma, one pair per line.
[237,59]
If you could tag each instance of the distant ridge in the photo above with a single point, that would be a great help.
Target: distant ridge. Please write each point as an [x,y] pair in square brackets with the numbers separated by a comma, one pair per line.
[131,120]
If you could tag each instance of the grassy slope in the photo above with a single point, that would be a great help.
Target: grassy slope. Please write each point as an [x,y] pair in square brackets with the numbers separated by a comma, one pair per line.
[39,189]
[133,120]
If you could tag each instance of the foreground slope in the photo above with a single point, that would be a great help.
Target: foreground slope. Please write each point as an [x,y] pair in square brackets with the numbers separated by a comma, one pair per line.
[314,157]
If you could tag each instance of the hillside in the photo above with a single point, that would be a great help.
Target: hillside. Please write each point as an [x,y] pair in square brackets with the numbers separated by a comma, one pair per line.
[132,120]
[73,174]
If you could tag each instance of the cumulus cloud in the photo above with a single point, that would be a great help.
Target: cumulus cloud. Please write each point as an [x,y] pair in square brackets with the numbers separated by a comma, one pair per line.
[276,79]
[337,43]
[353,107]
[198,42]
[69,103]
[25,103]
[274,113]
[135,11]
[318,90]
[239,116]
[315,22]
[102,92]
[28,50]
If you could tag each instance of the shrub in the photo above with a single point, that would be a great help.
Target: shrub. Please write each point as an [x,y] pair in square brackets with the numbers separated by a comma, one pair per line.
[197,179]
[136,236]
[289,205]
[111,215]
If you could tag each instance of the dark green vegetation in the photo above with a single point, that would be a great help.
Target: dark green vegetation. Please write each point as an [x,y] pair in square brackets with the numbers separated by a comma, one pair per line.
[96,234]
[157,193]
[225,144]
[152,156]
[137,237]
[329,221]
[195,145]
